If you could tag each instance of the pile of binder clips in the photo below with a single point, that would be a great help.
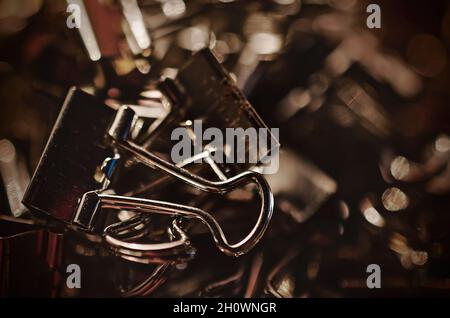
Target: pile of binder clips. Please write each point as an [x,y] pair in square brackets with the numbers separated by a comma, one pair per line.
[92,92]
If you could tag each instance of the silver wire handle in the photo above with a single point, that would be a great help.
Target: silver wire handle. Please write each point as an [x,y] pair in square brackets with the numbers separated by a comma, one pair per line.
[92,201]
[119,131]
[118,237]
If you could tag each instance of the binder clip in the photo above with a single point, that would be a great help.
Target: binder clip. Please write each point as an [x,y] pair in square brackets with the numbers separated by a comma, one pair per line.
[76,163]
[72,181]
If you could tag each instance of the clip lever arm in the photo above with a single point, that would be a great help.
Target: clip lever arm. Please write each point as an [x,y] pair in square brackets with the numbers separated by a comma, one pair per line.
[119,132]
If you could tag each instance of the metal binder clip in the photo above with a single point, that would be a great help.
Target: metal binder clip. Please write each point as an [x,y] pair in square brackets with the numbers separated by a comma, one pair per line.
[215,94]
[88,140]
[119,132]
[204,91]
[60,197]
[76,161]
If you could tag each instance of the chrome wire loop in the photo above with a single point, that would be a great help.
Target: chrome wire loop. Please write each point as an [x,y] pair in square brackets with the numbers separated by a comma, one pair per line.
[120,237]
[119,132]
